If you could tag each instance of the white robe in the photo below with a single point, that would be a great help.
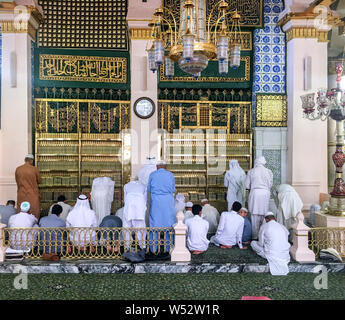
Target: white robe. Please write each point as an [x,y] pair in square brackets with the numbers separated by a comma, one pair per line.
[211,215]
[197,229]
[273,245]
[187,215]
[22,239]
[119,213]
[102,196]
[180,203]
[81,216]
[134,211]
[230,230]
[235,181]
[290,205]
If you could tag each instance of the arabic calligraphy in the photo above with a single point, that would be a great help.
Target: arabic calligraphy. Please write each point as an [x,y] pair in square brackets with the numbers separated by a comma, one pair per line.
[82,68]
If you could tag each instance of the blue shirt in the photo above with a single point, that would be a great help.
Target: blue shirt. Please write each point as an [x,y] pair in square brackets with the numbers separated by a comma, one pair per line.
[247,230]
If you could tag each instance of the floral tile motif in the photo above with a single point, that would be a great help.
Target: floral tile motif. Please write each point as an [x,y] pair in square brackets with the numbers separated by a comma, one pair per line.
[269,53]
[273,159]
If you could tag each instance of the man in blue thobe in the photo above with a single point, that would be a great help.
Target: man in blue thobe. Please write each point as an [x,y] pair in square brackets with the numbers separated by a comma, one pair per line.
[161,186]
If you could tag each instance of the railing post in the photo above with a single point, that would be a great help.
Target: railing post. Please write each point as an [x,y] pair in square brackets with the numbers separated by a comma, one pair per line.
[180,253]
[2,242]
[300,250]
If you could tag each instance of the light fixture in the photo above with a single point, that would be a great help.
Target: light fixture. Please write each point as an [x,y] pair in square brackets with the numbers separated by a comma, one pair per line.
[195,41]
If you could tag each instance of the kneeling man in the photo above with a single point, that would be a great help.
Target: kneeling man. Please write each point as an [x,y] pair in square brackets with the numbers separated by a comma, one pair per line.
[197,229]
[273,245]
[230,228]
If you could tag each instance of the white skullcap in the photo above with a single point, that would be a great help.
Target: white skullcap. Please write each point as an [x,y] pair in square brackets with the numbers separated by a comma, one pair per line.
[25,206]
[260,161]
[161,163]
[244,209]
[204,200]
[189,204]
[269,213]
[29,156]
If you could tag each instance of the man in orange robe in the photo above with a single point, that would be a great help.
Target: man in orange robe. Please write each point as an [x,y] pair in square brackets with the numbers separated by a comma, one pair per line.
[28,178]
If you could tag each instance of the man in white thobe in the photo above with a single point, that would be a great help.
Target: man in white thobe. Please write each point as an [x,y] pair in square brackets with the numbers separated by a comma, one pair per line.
[259,181]
[143,177]
[210,214]
[230,229]
[134,211]
[235,181]
[102,196]
[66,208]
[180,203]
[188,213]
[273,245]
[23,239]
[197,229]
[81,216]
[289,204]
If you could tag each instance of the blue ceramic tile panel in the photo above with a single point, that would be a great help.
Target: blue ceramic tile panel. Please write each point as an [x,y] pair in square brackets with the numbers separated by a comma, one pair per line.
[269,54]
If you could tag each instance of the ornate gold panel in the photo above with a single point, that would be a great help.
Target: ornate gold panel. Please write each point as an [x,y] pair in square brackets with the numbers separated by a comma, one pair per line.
[271,111]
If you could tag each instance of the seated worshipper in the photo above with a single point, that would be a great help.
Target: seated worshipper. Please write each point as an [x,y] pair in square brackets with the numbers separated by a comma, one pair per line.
[289,204]
[211,215]
[230,229]
[119,213]
[197,229]
[110,235]
[53,241]
[7,211]
[235,182]
[23,239]
[247,229]
[180,203]
[134,212]
[66,208]
[188,212]
[273,245]
[81,216]
[102,196]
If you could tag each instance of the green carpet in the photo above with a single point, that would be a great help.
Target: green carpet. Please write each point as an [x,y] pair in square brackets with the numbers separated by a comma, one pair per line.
[297,286]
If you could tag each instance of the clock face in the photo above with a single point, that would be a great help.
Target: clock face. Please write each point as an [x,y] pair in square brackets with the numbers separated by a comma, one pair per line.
[144,108]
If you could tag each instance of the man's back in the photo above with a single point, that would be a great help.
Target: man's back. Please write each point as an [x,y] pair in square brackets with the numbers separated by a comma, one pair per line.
[247,230]
[52,221]
[161,182]
[134,187]
[22,220]
[211,215]
[259,178]
[27,178]
[66,208]
[230,228]
[275,237]
[197,229]
[6,212]
[144,173]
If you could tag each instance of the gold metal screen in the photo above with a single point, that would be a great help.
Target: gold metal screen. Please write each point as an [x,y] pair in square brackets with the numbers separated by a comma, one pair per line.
[88,243]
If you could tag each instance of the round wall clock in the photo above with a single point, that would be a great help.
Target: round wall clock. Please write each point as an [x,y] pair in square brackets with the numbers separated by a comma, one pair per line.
[144,108]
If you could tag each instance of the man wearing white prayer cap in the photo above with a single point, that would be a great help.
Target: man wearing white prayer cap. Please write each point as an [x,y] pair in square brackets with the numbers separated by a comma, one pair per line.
[28,178]
[273,245]
[211,215]
[23,240]
[81,216]
[188,211]
[259,181]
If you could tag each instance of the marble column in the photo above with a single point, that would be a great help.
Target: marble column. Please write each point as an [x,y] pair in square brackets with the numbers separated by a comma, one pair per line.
[307,140]
[16,105]
[145,137]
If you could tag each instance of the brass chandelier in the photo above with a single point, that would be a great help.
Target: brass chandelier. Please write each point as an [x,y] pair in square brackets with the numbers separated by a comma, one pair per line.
[196,40]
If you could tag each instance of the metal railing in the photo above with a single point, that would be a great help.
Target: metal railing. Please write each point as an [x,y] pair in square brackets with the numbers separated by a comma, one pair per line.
[323,238]
[88,243]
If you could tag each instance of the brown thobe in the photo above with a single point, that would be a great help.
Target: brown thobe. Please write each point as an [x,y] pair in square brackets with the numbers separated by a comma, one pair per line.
[28,178]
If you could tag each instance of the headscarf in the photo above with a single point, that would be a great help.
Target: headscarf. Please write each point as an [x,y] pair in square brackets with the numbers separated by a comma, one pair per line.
[180,202]
[150,160]
[261,161]
[81,215]
[25,207]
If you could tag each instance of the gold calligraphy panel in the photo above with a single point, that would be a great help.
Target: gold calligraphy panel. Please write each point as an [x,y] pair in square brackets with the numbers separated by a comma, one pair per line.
[83,68]
[271,111]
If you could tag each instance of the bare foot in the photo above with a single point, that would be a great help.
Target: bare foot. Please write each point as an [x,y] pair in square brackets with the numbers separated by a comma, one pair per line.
[244,248]
[225,247]
[196,252]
